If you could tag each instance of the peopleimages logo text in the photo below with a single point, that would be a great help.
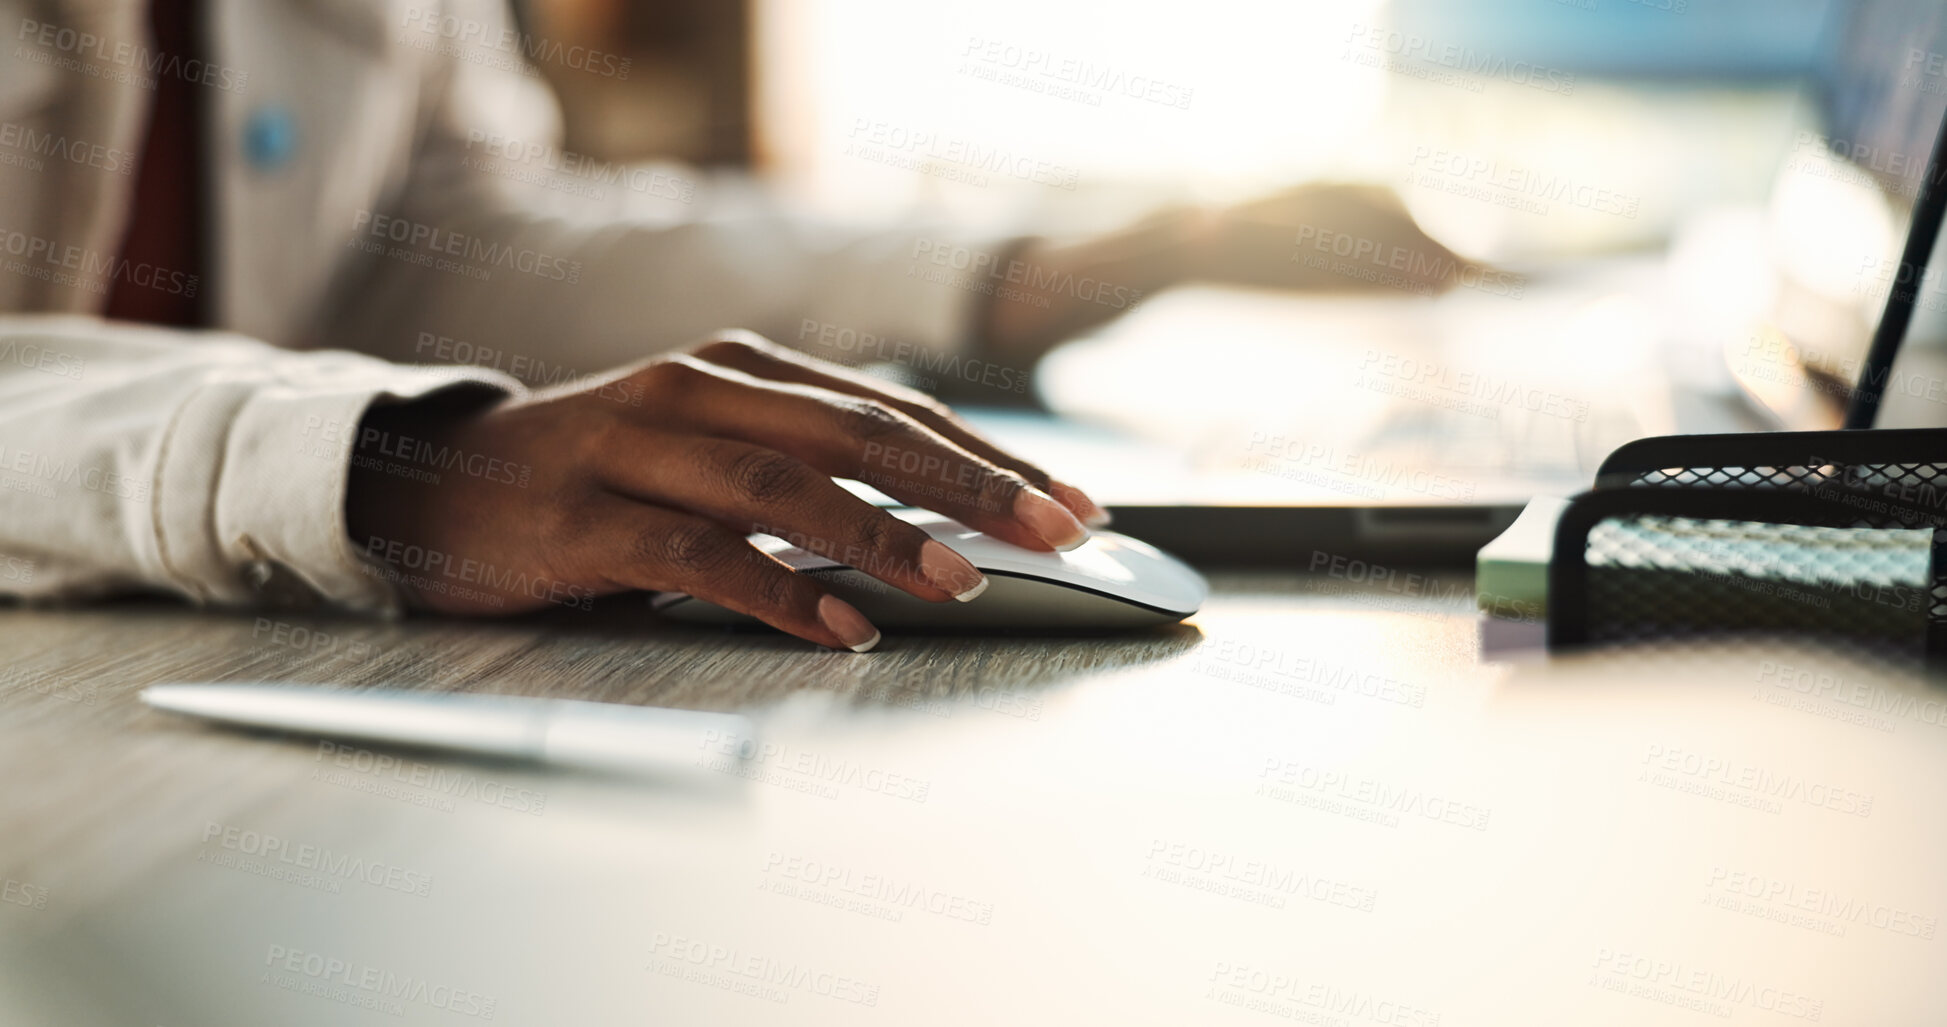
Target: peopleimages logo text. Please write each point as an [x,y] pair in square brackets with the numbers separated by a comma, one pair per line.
[506,40]
[433,239]
[89,47]
[24,139]
[90,269]
[1414,49]
[984,268]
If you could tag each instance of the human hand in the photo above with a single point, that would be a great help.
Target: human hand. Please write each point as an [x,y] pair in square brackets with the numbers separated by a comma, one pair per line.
[1322,236]
[651,479]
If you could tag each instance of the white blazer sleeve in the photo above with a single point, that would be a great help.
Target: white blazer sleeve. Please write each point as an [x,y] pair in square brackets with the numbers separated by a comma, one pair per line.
[598,264]
[201,464]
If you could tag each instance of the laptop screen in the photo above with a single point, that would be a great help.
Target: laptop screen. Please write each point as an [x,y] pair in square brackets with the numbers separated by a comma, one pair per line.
[1883,92]
[1884,88]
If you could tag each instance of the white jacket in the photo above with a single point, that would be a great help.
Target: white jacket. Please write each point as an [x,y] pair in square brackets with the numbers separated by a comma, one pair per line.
[385,177]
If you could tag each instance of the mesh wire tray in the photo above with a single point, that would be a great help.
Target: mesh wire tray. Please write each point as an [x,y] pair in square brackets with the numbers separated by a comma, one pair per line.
[1820,532]
[1655,576]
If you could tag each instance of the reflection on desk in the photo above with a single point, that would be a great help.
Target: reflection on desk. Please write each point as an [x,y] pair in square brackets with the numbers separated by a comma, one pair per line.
[1312,803]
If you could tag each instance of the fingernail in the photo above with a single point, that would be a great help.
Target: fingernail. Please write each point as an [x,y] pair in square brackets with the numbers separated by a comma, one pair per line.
[841,619]
[950,572]
[1049,519]
[1090,512]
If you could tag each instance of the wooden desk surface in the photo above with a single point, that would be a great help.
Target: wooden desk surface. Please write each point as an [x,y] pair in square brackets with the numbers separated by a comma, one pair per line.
[1314,803]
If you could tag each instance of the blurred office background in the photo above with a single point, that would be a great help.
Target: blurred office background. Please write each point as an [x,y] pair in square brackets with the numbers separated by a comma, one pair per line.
[1682,103]
[1701,130]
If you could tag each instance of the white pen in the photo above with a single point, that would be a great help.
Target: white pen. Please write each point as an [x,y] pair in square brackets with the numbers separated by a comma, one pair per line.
[566,732]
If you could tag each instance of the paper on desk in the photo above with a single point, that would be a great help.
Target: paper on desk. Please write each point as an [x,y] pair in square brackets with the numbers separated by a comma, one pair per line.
[1511,572]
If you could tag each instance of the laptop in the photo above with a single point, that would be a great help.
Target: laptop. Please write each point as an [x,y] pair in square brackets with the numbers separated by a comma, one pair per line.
[1415,430]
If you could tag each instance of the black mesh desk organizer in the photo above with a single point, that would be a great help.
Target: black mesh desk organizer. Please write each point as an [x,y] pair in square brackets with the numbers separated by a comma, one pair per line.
[1830,532]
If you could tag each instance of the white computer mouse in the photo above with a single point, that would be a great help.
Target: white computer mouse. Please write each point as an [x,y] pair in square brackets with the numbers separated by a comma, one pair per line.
[1110,581]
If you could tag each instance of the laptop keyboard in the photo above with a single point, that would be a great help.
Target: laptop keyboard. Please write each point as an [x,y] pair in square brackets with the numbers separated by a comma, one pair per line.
[1513,441]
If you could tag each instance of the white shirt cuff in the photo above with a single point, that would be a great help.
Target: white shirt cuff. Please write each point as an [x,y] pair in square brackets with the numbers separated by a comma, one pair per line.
[250,488]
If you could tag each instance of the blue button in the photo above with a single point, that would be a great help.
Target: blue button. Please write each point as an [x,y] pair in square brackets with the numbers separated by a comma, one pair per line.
[269,137]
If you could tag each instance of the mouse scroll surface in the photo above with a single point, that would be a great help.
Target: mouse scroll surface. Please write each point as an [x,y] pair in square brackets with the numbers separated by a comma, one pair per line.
[1109,582]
